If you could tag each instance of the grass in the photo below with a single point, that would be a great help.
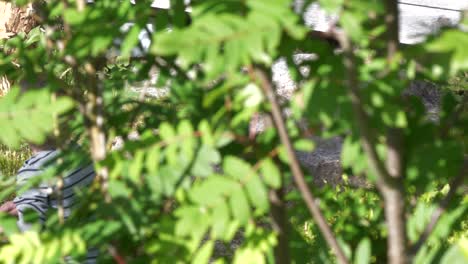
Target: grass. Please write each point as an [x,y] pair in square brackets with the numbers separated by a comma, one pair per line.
[11,160]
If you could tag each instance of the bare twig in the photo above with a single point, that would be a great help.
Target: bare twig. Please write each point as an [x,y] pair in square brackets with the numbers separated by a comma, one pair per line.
[298,176]
[456,182]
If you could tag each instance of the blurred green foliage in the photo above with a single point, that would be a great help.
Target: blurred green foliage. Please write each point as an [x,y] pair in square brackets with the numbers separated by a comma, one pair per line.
[194,179]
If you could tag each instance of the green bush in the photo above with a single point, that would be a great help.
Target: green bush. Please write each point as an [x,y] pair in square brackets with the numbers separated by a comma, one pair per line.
[192,177]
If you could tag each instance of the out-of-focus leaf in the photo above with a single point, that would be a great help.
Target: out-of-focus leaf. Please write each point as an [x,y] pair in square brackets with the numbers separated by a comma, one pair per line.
[270,173]
[239,205]
[457,253]
[363,252]
[454,42]
[204,253]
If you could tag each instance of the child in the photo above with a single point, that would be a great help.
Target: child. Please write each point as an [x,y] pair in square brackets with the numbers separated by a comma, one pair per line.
[42,198]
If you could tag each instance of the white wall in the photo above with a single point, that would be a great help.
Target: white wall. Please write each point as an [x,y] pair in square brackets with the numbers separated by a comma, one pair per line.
[417,21]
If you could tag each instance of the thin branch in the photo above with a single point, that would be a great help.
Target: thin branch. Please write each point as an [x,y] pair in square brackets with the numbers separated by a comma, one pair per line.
[368,138]
[94,114]
[280,225]
[394,193]
[456,182]
[60,207]
[389,187]
[392,26]
[295,167]
[394,197]
[390,177]
[60,181]
[119,259]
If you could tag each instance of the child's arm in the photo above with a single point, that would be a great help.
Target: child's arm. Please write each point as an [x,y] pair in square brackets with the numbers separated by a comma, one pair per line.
[9,207]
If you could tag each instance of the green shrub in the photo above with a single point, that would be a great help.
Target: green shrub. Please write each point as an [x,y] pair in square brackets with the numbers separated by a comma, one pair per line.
[192,176]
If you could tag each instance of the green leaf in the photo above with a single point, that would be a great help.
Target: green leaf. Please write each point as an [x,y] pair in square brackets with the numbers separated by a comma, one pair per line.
[220,217]
[100,44]
[251,95]
[185,131]
[73,17]
[239,205]
[237,168]
[118,189]
[283,154]
[206,133]
[363,252]
[204,253]
[171,141]
[29,116]
[205,160]
[457,253]
[271,174]
[9,137]
[136,167]
[305,145]
[167,132]
[223,42]
[249,256]
[352,155]
[331,6]
[192,221]
[352,25]
[212,191]
[169,176]
[131,40]
[232,228]
[452,41]
[152,159]
[257,193]
[8,224]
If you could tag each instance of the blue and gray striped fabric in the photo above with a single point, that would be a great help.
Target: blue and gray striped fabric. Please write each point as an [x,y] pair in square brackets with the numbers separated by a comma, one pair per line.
[42,198]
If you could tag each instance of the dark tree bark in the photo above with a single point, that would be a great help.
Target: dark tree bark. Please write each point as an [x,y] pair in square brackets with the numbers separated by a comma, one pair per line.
[14,20]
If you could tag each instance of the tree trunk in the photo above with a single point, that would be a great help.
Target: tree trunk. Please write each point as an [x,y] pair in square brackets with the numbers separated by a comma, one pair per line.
[13,20]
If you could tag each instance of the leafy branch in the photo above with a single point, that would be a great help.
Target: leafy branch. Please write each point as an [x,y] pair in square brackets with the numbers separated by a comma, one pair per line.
[443,204]
[390,177]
